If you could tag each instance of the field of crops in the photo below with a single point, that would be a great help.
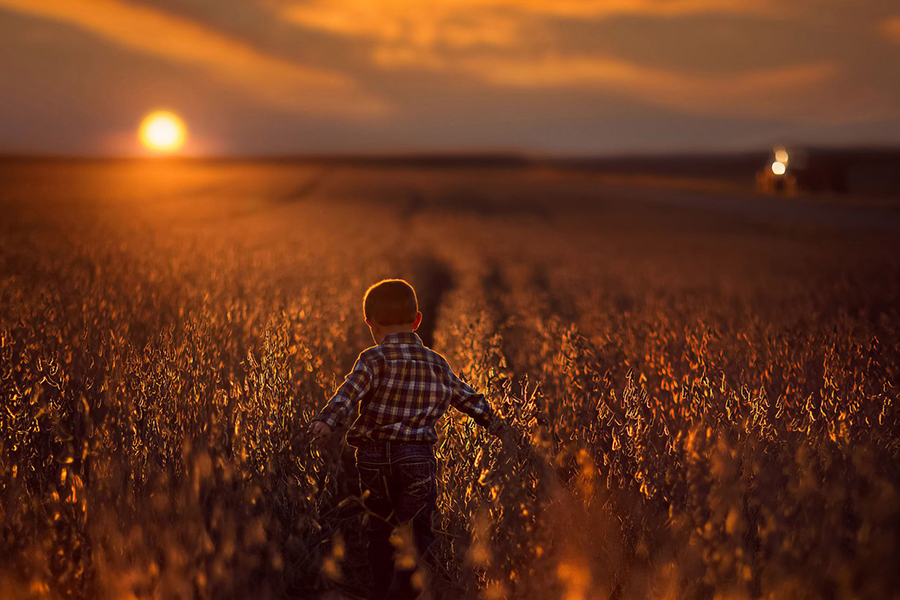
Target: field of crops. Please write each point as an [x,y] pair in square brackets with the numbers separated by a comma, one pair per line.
[707,392]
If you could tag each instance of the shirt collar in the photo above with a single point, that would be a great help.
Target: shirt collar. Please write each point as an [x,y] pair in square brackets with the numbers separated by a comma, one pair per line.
[403,337]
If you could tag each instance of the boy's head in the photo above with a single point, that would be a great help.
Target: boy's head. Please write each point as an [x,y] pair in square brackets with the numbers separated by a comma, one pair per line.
[391,306]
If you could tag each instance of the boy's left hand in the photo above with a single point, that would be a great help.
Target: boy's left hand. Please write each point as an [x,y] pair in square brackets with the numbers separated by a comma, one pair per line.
[320,430]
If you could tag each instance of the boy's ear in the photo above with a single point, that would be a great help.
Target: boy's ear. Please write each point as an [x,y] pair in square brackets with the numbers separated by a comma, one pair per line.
[417,321]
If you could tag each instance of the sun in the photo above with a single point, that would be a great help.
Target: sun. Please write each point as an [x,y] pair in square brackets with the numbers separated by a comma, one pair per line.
[162,131]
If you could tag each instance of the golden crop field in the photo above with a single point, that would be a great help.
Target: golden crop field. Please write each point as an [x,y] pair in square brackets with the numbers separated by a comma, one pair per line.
[705,382]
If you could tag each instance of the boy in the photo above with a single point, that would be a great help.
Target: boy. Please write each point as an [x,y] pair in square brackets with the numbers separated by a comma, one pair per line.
[401,388]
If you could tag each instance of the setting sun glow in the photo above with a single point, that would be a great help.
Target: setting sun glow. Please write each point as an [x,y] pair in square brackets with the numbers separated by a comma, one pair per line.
[162,131]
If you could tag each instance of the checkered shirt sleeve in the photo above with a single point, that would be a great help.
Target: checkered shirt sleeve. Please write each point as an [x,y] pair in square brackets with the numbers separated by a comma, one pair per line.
[356,384]
[466,400]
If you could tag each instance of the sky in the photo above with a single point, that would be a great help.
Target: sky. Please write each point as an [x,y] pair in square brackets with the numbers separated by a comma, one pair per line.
[273,77]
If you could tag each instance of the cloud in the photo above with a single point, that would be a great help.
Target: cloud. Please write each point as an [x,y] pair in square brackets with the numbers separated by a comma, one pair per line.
[277,82]
[773,92]
[518,44]
[891,29]
[408,23]
[604,8]
[469,23]
[793,92]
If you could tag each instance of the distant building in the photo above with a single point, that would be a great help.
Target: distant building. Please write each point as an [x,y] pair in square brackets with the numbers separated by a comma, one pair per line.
[838,171]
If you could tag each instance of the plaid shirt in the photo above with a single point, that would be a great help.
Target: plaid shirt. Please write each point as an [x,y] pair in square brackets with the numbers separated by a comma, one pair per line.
[402,388]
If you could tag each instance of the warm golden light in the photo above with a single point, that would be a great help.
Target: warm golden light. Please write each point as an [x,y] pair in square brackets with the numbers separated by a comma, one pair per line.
[781,155]
[779,167]
[162,131]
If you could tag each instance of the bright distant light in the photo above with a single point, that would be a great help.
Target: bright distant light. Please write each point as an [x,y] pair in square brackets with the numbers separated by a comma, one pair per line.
[779,167]
[162,131]
[781,155]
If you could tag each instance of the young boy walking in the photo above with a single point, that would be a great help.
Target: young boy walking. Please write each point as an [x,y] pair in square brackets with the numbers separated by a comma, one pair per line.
[401,388]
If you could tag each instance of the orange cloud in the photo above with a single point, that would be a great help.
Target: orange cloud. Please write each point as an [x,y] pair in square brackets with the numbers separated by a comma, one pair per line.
[605,8]
[409,23]
[467,23]
[511,43]
[891,29]
[774,92]
[278,82]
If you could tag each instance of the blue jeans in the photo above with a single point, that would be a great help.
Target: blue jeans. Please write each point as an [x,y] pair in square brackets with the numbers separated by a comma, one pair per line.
[400,480]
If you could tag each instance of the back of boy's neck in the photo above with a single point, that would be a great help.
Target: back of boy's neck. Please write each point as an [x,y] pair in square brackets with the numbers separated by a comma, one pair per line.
[396,329]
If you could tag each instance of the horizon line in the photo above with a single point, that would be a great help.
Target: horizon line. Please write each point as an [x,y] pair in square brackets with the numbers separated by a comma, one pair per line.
[490,156]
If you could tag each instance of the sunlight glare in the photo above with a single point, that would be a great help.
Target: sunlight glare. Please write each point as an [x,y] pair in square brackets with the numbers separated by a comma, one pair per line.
[781,155]
[162,131]
[778,167]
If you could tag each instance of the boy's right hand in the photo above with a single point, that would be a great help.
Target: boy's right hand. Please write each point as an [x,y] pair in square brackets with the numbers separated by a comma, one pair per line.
[510,439]
[320,430]
[506,434]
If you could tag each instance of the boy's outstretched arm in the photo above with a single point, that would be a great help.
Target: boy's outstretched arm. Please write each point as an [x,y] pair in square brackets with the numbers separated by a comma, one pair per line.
[466,400]
[341,404]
